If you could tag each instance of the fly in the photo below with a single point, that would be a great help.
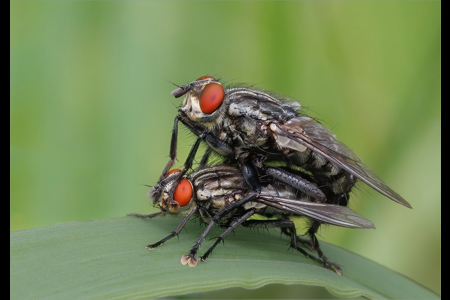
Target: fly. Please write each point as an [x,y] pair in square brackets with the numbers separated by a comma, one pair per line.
[219,195]
[241,123]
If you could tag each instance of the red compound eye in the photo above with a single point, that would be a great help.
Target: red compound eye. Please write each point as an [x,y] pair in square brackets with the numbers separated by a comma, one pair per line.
[173,171]
[183,192]
[205,77]
[211,98]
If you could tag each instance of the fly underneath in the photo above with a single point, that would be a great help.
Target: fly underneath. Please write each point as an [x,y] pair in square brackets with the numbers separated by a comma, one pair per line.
[219,195]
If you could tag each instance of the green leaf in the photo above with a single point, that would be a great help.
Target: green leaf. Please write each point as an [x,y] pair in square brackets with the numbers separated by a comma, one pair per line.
[107,259]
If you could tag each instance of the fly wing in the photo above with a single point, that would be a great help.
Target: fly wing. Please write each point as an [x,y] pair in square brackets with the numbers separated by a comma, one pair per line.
[326,213]
[302,132]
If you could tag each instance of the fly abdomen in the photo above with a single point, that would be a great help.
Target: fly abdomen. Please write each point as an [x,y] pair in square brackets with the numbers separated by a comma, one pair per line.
[336,181]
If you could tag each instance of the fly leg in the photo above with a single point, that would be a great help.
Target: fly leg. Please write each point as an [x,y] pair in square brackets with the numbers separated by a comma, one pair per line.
[202,134]
[216,144]
[288,228]
[297,182]
[174,233]
[251,177]
[233,226]
[205,157]
[190,258]
[173,154]
[190,160]
[173,149]
[156,190]
[315,247]
[161,213]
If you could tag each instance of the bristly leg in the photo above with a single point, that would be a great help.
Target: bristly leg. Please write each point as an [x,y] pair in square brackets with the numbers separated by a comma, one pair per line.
[221,237]
[288,227]
[314,246]
[175,232]
[173,155]
[297,182]
[284,225]
[190,258]
[205,157]
[161,213]
[173,150]
[202,135]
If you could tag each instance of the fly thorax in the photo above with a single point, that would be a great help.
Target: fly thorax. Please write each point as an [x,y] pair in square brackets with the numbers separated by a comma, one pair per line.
[225,128]
[219,203]
[247,108]
[207,194]
[223,135]
[283,141]
[203,194]
[248,126]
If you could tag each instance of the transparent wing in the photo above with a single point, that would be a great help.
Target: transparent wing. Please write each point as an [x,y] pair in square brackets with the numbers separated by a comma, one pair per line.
[327,213]
[306,132]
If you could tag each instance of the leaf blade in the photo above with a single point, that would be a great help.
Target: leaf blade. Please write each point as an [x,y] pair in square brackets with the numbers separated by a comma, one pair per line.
[107,259]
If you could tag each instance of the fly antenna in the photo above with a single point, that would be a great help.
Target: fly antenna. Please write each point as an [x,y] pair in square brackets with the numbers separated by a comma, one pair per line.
[146,185]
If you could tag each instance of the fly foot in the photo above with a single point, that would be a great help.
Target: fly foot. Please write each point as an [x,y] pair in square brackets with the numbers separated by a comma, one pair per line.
[189,259]
[332,266]
[153,246]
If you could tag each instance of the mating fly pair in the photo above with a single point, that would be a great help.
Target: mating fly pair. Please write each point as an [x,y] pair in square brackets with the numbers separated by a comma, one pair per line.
[249,128]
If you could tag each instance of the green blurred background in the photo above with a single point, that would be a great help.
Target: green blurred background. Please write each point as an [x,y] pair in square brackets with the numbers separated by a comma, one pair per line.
[91,111]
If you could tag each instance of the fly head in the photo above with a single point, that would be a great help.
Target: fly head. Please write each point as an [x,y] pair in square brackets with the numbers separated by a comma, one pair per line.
[171,195]
[203,101]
